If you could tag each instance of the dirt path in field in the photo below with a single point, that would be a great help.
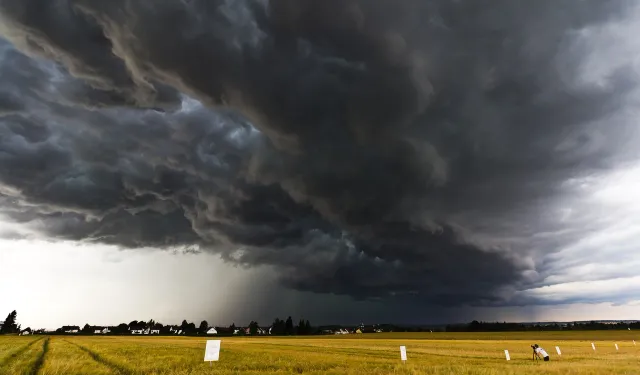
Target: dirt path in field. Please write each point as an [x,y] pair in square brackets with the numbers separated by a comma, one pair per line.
[18,352]
[37,365]
[116,367]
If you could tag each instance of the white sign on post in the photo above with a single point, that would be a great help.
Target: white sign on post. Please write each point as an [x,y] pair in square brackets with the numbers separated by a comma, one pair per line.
[212,351]
[506,354]
[558,350]
[403,353]
[616,346]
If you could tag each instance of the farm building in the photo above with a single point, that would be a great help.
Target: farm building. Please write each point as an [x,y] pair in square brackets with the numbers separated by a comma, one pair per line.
[70,329]
[101,330]
[212,331]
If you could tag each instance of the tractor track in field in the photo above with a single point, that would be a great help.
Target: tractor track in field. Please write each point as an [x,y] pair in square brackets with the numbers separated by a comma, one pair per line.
[18,352]
[37,364]
[118,368]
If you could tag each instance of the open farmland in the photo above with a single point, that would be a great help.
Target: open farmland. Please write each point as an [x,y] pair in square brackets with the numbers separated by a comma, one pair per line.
[428,353]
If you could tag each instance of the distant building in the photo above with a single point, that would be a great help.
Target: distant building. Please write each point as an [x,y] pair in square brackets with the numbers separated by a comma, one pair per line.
[70,329]
[212,331]
[155,332]
[101,330]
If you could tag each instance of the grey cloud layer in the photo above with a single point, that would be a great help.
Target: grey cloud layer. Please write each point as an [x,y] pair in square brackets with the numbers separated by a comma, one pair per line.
[368,148]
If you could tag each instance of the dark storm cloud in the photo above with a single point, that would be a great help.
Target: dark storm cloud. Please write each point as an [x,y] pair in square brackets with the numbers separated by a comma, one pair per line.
[374,149]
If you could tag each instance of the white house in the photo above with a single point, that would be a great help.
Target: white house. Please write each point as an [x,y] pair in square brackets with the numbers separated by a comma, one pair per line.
[137,331]
[155,332]
[24,333]
[70,329]
[212,331]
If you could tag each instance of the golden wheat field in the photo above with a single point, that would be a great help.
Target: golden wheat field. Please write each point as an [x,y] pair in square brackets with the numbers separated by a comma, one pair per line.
[428,353]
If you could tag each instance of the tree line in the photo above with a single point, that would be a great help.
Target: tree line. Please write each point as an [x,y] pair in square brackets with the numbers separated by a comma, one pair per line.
[303,327]
[278,327]
[476,326]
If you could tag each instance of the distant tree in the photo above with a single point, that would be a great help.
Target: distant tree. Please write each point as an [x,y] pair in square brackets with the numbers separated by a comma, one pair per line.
[10,325]
[204,326]
[307,327]
[232,327]
[122,328]
[151,323]
[86,329]
[184,325]
[133,324]
[278,327]
[288,330]
[300,329]
[191,328]
[253,328]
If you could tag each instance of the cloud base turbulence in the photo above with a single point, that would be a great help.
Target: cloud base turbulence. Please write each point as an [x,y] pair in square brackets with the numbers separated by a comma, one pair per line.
[424,153]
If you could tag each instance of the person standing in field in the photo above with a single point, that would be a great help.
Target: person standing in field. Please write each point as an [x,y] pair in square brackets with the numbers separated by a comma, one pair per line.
[539,352]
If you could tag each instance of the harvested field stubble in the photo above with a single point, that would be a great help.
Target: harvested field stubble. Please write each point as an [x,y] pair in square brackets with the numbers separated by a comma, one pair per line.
[428,353]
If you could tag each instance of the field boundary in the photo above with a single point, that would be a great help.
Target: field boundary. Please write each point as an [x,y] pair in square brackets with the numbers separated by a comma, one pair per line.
[18,352]
[37,364]
[120,369]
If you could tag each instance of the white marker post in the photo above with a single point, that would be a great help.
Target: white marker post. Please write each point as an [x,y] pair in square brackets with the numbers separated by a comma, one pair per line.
[212,351]
[403,354]
[634,342]
[558,350]
[593,346]
[506,354]
[616,347]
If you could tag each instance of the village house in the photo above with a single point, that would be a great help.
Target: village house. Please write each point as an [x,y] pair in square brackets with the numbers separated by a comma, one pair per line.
[212,331]
[70,329]
[101,330]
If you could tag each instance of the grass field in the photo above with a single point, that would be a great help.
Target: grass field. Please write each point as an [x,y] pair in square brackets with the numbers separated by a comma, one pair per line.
[428,353]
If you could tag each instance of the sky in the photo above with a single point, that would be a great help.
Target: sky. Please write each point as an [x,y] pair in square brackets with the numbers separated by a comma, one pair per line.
[343,161]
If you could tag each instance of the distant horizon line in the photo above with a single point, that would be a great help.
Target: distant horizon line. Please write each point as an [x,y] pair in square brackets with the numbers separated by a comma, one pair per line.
[400,325]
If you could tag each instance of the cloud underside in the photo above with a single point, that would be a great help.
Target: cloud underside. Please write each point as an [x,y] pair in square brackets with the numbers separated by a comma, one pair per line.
[418,151]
